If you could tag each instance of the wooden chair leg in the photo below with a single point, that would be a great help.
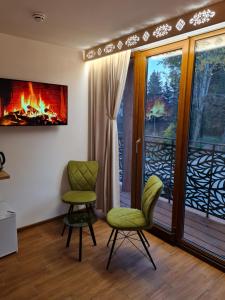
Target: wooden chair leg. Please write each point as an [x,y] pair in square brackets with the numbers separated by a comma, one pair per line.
[146,249]
[69,236]
[110,237]
[92,234]
[80,244]
[112,248]
[144,237]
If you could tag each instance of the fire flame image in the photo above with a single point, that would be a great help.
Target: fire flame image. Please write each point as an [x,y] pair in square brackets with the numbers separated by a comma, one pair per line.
[31,109]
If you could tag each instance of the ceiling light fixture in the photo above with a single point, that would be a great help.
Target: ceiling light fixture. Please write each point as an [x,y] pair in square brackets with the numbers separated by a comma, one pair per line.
[39,16]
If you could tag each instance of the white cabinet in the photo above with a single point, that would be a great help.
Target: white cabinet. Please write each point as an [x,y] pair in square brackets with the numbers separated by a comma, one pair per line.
[8,232]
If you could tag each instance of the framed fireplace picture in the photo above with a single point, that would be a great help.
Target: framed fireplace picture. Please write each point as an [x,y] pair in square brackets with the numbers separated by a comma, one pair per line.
[28,103]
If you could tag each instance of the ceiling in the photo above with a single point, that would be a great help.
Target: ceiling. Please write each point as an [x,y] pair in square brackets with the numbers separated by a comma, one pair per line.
[85,23]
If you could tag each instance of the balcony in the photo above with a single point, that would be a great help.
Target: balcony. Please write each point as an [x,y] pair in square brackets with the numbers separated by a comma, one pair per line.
[205,189]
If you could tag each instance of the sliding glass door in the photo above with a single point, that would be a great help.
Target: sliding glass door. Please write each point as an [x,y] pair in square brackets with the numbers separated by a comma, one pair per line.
[163,98]
[204,223]
[179,135]
[161,105]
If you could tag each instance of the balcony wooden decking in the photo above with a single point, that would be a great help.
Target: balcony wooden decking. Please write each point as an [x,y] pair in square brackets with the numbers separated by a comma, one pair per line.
[198,229]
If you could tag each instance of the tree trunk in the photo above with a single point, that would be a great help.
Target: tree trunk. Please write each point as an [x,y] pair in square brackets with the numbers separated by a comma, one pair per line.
[201,87]
[197,128]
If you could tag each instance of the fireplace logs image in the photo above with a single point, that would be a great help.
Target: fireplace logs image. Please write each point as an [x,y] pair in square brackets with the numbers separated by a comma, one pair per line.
[26,103]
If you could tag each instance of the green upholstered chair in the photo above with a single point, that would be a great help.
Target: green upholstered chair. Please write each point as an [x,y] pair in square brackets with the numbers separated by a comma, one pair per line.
[82,178]
[130,219]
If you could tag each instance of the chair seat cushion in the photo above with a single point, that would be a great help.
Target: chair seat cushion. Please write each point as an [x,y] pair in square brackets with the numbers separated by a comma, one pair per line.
[126,218]
[79,197]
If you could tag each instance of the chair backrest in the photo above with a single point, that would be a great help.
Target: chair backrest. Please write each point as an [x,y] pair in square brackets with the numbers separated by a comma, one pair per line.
[82,175]
[151,193]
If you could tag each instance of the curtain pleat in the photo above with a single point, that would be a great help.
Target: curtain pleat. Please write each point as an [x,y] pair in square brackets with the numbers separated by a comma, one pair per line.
[107,78]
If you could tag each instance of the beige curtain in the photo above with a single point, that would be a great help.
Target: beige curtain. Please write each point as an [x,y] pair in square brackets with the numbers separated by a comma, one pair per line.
[107,77]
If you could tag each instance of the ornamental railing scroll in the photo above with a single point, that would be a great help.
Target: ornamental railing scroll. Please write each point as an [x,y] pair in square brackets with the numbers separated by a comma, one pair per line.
[205,176]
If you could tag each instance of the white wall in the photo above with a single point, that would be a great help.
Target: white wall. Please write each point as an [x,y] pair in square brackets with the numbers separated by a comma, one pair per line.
[37,156]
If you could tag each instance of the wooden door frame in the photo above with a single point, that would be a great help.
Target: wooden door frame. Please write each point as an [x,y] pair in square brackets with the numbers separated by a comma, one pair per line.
[140,67]
[183,123]
[188,245]
[139,94]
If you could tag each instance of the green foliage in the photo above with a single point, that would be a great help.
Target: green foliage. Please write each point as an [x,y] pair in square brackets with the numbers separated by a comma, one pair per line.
[170,131]
[167,92]
[154,86]
[213,58]
[208,94]
[217,84]
[173,64]
[157,110]
[162,96]
[208,83]
[207,118]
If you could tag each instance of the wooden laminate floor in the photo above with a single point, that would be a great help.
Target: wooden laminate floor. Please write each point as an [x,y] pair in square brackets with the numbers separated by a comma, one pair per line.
[45,269]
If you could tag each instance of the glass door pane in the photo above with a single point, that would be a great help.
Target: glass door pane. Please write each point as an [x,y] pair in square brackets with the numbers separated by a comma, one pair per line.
[205,176]
[161,106]
[125,135]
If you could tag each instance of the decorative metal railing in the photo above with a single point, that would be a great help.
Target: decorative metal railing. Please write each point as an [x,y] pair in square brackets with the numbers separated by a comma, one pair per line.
[205,179]
[160,160]
[205,182]
[121,156]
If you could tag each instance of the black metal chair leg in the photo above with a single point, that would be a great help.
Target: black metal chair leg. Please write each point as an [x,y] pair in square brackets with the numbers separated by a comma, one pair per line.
[146,249]
[69,212]
[112,248]
[92,234]
[144,237]
[91,207]
[69,236]
[89,210]
[110,237]
[80,245]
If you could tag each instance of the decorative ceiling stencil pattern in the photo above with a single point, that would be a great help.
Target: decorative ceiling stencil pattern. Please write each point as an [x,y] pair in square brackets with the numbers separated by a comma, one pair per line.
[162,30]
[198,19]
[202,17]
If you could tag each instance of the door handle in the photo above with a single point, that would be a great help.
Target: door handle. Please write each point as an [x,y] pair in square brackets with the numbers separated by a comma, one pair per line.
[138,141]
